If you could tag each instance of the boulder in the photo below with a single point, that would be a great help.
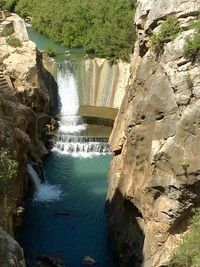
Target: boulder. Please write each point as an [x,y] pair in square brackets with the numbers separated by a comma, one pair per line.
[87,260]
[54,260]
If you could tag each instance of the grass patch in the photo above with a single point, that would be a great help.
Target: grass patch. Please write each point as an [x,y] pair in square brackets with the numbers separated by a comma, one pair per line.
[13,41]
[169,30]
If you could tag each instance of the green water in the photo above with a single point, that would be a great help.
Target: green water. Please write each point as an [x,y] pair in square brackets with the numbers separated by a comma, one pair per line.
[76,186]
[63,53]
[82,183]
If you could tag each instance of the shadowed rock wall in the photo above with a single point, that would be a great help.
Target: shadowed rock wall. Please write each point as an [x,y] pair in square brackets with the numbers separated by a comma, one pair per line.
[156,143]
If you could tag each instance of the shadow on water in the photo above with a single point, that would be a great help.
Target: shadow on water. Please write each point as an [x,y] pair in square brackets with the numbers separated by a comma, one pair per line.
[82,231]
[125,232]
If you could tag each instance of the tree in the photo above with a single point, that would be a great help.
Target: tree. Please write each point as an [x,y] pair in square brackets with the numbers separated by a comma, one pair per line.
[105,28]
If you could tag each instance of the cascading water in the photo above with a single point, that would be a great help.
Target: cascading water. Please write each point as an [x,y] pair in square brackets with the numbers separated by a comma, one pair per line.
[34,176]
[73,224]
[68,93]
[68,140]
[44,192]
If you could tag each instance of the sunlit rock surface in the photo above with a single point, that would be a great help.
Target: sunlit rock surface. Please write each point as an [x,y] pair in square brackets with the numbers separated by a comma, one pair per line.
[154,175]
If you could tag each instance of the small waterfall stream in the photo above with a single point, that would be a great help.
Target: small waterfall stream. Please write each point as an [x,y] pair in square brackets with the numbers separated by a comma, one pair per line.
[44,192]
[34,176]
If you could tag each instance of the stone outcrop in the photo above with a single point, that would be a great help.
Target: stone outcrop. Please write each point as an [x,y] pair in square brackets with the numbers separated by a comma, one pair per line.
[25,116]
[11,253]
[154,176]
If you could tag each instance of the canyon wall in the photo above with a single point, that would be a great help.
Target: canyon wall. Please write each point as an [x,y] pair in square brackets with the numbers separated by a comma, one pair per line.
[154,175]
[25,105]
[101,84]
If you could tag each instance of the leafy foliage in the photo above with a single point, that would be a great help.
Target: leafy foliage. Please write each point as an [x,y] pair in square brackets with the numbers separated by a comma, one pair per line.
[192,44]
[8,169]
[187,254]
[168,31]
[13,41]
[50,49]
[105,28]
[192,47]
[6,32]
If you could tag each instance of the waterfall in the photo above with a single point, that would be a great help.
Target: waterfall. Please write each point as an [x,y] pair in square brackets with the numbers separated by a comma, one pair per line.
[68,89]
[34,176]
[44,192]
[69,139]
[68,92]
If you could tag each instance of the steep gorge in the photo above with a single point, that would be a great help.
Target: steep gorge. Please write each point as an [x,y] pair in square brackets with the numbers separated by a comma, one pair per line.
[154,174]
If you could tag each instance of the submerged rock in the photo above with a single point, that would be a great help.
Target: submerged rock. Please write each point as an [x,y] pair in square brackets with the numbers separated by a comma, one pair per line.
[87,260]
[54,260]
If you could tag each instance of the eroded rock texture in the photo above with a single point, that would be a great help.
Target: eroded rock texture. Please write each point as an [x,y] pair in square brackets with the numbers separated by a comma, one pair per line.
[154,175]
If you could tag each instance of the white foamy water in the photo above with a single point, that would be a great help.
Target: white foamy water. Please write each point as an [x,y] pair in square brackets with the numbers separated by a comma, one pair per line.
[44,192]
[47,193]
[71,122]
[79,154]
[68,90]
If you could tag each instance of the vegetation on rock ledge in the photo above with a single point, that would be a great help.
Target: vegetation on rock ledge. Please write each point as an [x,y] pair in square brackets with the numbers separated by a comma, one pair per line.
[8,169]
[13,41]
[192,45]
[105,28]
[169,29]
[187,254]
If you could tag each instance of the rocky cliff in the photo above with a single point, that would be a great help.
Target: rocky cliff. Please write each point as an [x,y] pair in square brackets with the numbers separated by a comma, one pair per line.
[25,105]
[154,176]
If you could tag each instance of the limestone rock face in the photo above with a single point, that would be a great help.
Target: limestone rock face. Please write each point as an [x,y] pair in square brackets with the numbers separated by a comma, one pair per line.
[154,176]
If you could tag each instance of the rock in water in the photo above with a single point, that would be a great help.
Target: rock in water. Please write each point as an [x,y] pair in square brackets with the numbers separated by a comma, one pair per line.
[53,260]
[87,260]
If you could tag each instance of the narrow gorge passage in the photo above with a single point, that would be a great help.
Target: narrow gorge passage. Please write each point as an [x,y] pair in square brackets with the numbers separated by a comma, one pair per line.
[66,215]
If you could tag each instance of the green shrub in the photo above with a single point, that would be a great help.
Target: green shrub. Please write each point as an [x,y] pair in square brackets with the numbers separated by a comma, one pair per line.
[50,49]
[192,47]
[187,254]
[105,28]
[169,29]
[8,169]
[192,43]
[13,41]
[6,32]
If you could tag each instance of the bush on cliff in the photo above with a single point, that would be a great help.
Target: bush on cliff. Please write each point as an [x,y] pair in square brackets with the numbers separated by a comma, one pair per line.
[187,254]
[169,29]
[105,28]
[13,41]
[192,43]
[6,32]
[8,169]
